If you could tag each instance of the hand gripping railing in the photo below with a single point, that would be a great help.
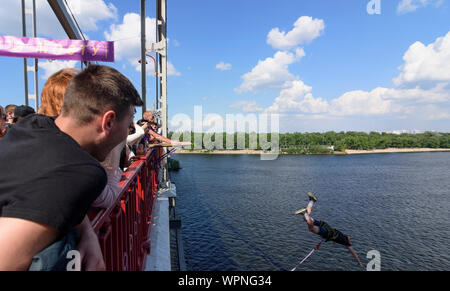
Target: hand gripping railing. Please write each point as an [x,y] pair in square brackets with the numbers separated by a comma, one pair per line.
[124,229]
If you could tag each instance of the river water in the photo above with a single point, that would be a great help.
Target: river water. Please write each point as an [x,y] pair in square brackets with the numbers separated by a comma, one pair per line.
[238,211]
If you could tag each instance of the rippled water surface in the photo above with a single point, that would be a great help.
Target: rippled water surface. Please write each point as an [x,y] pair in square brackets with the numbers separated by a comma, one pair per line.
[237,211]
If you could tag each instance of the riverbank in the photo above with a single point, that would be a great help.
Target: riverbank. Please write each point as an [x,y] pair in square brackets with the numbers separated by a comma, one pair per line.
[220,152]
[395,150]
[348,152]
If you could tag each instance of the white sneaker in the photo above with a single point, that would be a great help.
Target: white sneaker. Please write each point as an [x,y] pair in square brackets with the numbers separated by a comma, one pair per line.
[312,197]
[301,211]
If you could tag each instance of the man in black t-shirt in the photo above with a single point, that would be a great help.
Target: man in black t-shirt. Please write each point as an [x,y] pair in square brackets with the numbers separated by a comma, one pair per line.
[50,172]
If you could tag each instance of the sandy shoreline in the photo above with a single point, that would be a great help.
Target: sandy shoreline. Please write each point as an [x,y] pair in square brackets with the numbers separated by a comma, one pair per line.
[349,152]
[395,150]
[220,152]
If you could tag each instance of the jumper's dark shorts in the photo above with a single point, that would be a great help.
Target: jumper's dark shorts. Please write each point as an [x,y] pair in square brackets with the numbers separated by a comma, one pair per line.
[340,238]
[323,232]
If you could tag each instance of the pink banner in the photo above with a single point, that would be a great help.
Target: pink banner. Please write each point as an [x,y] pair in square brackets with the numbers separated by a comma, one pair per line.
[58,49]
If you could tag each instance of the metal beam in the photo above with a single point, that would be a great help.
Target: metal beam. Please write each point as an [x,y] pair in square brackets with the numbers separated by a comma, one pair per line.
[161,50]
[34,68]
[143,60]
[25,64]
[65,18]
[36,77]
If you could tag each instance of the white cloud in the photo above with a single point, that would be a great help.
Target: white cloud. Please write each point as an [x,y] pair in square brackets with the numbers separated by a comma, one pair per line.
[127,43]
[176,43]
[51,67]
[406,6]
[382,101]
[297,98]
[426,63]
[213,123]
[305,30]
[271,73]
[430,64]
[150,68]
[362,103]
[87,13]
[422,89]
[127,38]
[171,70]
[223,66]
[422,92]
[433,112]
[430,112]
[180,122]
[437,94]
[247,106]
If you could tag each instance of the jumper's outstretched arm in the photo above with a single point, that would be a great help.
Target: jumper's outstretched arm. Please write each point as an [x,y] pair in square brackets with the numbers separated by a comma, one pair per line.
[350,249]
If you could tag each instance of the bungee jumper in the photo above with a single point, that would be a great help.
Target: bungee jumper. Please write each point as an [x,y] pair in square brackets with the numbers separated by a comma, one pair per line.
[324,230]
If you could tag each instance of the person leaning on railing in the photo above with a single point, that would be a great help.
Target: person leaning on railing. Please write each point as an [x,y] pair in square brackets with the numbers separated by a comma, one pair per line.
[52,99]
[153,133]
[53,173]
[133,139]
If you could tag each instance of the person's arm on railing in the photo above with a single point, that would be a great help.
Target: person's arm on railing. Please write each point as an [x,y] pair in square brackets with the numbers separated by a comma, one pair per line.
[111,191]
[161,138]
[136,137]
[111,165]
[89,248]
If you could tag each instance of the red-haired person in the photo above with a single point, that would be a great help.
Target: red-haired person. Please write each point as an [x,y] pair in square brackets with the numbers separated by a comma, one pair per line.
[52,96]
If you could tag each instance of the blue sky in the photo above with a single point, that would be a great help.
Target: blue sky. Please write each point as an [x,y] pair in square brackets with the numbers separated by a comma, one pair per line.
[338,69]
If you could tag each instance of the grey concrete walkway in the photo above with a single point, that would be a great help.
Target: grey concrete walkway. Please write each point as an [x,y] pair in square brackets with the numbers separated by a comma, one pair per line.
[159,258]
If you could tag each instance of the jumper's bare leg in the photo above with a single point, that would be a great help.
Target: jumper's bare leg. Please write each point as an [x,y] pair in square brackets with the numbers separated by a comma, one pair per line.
[312,200]
[309,220]
[307,212]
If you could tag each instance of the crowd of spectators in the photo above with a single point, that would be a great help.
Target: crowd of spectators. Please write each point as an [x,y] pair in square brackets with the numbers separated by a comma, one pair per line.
[74,151]
[12,114]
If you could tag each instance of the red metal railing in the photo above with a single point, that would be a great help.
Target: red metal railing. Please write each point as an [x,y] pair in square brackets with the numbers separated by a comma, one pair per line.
[124,229]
